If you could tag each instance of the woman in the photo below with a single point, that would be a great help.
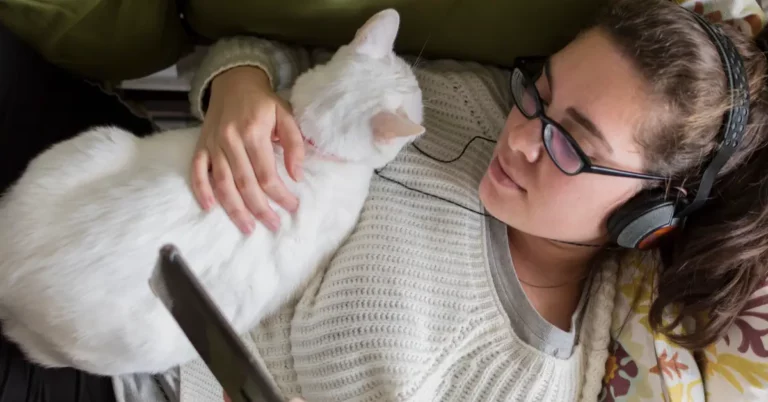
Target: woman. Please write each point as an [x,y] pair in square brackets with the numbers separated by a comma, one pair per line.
[432,300]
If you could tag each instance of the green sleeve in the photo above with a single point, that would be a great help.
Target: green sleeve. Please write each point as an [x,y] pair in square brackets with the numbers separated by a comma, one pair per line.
[282,64]
[100,39]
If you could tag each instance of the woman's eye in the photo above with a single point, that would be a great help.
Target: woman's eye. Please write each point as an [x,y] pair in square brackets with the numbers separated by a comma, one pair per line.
[545,96]
[542,88]
[585,146]
[591,154]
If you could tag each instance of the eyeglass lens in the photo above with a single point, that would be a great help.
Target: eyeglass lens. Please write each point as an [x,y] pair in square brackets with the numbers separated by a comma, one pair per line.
[558,147]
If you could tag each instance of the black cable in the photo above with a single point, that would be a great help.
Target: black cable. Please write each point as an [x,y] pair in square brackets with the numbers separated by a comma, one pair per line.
[447,161]
[432,195]
[463,151]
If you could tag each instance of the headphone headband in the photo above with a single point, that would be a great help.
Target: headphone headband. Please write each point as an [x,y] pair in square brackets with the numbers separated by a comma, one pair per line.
[651,215]
[734,121]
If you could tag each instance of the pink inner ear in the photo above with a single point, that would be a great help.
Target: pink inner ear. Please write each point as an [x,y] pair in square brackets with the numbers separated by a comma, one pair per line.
[377,36]
[388,125]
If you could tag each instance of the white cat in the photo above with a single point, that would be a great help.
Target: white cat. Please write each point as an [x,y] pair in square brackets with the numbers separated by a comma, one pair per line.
[81,230]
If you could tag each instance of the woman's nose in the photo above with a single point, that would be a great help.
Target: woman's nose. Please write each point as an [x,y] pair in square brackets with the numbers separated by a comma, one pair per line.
[526,139]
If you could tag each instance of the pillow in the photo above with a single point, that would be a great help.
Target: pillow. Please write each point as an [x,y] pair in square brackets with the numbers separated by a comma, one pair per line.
[746,15]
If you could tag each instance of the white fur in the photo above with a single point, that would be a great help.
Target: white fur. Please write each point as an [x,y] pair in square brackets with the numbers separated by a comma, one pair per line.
[80,231]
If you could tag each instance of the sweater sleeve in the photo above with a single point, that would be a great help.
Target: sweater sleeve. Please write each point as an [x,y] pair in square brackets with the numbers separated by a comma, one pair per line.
[282,64]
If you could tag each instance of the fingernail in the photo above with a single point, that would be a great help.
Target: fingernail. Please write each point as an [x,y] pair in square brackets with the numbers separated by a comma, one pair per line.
[294,206]
[248,227]
[210,201]
[273,223]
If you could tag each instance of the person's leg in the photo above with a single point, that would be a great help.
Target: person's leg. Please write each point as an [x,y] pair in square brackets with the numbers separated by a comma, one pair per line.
[40,105]
[22,381]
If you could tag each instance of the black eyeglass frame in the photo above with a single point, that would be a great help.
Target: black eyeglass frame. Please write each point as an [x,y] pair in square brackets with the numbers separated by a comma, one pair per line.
[586,164]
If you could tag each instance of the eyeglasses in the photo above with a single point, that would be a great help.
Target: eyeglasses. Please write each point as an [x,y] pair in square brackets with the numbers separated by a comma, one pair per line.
[560,145]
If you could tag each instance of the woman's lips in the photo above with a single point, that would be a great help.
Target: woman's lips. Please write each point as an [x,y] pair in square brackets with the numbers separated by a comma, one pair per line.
[501,177]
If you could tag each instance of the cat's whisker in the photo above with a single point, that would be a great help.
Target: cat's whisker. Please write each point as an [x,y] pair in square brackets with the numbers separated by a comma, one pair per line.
[418,57]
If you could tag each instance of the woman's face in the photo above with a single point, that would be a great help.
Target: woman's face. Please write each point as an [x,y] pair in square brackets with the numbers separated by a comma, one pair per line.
[596,95]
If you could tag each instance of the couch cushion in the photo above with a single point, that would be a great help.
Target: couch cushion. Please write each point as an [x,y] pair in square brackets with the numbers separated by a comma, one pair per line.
[492,31]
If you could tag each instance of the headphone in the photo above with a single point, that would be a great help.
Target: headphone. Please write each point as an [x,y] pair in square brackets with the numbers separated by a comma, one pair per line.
[651,214]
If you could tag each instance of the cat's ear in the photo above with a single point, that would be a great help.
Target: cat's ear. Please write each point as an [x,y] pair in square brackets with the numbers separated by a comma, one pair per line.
[388,125]
[377,37]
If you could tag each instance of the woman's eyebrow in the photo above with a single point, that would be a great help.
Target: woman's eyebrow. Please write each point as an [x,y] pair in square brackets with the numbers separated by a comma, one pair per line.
[577,116]
[591,128]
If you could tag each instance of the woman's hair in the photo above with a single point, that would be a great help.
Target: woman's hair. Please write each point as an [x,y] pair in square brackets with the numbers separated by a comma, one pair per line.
[712,266]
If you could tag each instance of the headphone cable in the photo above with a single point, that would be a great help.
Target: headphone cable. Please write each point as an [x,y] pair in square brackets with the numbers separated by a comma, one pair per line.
[454,203]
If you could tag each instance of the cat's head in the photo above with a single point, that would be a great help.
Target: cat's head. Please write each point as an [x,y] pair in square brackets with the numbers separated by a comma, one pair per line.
[364,104]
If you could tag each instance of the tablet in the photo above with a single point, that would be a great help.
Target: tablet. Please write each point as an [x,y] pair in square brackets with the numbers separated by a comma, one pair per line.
[209,332]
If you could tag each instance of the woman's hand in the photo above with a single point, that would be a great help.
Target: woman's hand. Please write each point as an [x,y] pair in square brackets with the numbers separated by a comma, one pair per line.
[234,158]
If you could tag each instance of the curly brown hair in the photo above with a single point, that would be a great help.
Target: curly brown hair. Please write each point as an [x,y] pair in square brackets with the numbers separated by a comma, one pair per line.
[712,266]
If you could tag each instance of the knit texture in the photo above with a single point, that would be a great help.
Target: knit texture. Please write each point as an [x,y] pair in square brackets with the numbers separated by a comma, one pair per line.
[407,309]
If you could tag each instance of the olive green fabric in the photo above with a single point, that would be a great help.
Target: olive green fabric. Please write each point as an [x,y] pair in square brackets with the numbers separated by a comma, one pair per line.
[104,39]
[121,39]
[493,31]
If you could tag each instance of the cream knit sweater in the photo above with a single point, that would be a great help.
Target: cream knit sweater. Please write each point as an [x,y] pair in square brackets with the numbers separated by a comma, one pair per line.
[407,310]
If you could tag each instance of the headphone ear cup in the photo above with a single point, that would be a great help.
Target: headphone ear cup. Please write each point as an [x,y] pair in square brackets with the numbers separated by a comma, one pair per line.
[643,219]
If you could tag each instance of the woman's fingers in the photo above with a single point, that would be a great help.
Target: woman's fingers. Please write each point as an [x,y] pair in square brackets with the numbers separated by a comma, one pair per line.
[243,119]
[262,157]
[227,194]
[293,143]
[246,182]
[201,181]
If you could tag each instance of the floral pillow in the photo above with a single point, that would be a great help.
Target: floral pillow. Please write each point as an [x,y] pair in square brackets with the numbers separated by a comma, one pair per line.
[746,15]
[646,366]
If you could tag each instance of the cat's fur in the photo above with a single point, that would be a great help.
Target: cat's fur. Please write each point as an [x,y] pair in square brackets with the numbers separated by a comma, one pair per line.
[80,231]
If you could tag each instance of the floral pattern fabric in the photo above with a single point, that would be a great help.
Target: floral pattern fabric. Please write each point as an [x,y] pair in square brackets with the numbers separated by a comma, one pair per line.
[746,15]
[645,366]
